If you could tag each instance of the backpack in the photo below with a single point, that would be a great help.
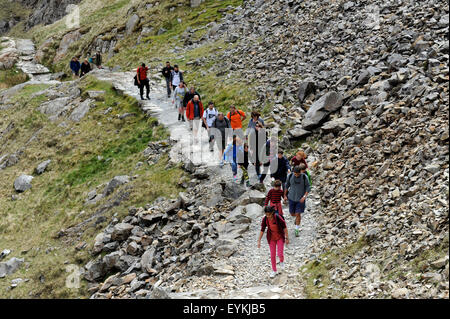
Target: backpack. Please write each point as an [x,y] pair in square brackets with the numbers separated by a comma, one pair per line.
[206,111]
[288,179]
[229,113]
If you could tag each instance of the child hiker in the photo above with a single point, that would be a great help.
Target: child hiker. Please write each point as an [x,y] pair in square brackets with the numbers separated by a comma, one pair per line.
[300,158]
[274,197]
[277,235]
[231,154]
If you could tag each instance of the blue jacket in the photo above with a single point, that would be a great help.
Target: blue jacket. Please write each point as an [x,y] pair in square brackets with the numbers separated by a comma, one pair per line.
[75,66]
[282,169]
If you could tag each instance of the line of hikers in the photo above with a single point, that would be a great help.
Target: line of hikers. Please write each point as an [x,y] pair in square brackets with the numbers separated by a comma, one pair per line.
[80,69]
[292,181]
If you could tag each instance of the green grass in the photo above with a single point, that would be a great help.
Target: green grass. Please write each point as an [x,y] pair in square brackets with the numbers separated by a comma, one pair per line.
[12,9]
[12,77]
[320,269]
[28,225]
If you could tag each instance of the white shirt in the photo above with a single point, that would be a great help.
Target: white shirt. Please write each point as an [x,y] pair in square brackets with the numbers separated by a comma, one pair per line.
[210,116]
[175,78]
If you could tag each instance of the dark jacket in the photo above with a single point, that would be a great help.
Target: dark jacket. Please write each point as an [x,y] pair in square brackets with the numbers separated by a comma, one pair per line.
[167,72]
[75,66]
[280,223]
[189,96]
[85,68]
[282,169]
[221,125]
[98,59]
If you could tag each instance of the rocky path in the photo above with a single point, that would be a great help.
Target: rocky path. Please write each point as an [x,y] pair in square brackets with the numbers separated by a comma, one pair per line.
[250,266]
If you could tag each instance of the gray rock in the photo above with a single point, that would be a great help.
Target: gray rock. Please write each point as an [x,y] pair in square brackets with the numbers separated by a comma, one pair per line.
[131,24]
[114,183]
[80,111]
[305,89]
[298,132]
[23,183]
[121,231]
[328,103]
[10,266]
[95,270]
[256,197]
[158,293]
[42,167]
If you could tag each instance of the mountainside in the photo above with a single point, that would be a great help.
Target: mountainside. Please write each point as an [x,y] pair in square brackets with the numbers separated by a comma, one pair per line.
[362,87]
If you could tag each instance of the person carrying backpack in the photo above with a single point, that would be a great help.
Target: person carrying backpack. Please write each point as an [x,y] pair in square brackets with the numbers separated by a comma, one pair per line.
[178,97]
[283,169]
[236,117]
[277,236]
[300,158]
[297,189]
[176,76]
[274,197]
[167,73]
[209,116]
[243,165]
[142,80]
[219,133]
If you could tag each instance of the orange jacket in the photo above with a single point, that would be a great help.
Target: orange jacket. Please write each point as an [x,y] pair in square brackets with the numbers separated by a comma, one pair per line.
[142,73]
[190,110]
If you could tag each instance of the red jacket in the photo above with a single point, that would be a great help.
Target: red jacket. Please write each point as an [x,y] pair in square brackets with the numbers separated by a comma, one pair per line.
[281,226]
[142,73]
[190,110]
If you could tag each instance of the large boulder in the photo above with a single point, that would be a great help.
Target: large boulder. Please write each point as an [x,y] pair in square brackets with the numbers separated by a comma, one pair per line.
[95,270]
[147,260]
[65,43]
[328,103]
[305,89]
[131,24]
[23,183]
[81,110]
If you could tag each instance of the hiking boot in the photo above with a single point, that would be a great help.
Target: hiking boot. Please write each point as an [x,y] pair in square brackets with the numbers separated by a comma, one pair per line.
[297,232]
[142,98]
[148,97]
[282,266]
[182,118]
[242,182]
[248,184]
[179,117]
[235,178]
[273,274]
[221,164]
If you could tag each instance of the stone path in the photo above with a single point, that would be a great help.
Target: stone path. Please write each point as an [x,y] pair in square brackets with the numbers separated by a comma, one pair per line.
[251,266]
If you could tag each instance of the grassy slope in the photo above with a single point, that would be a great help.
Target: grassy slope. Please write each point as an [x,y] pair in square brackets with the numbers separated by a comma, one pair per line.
[11,9]
[28,225]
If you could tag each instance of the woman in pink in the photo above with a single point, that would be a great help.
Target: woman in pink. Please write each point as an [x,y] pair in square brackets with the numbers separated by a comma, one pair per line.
[277,235]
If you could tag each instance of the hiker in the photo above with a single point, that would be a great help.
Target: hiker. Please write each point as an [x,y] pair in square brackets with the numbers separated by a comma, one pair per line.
[274,197]
[167,73]
[255,118]
[231,154]
[297,189]
[178,97]
[176,76]
[75,67]
[143,80]
[190,95]
[300,158]
[236,117]
[219,133]
[209,116]
[85,68]
[283,169]
[258,142]
[98,60]
[277,235]
[194,112]
[243,165]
